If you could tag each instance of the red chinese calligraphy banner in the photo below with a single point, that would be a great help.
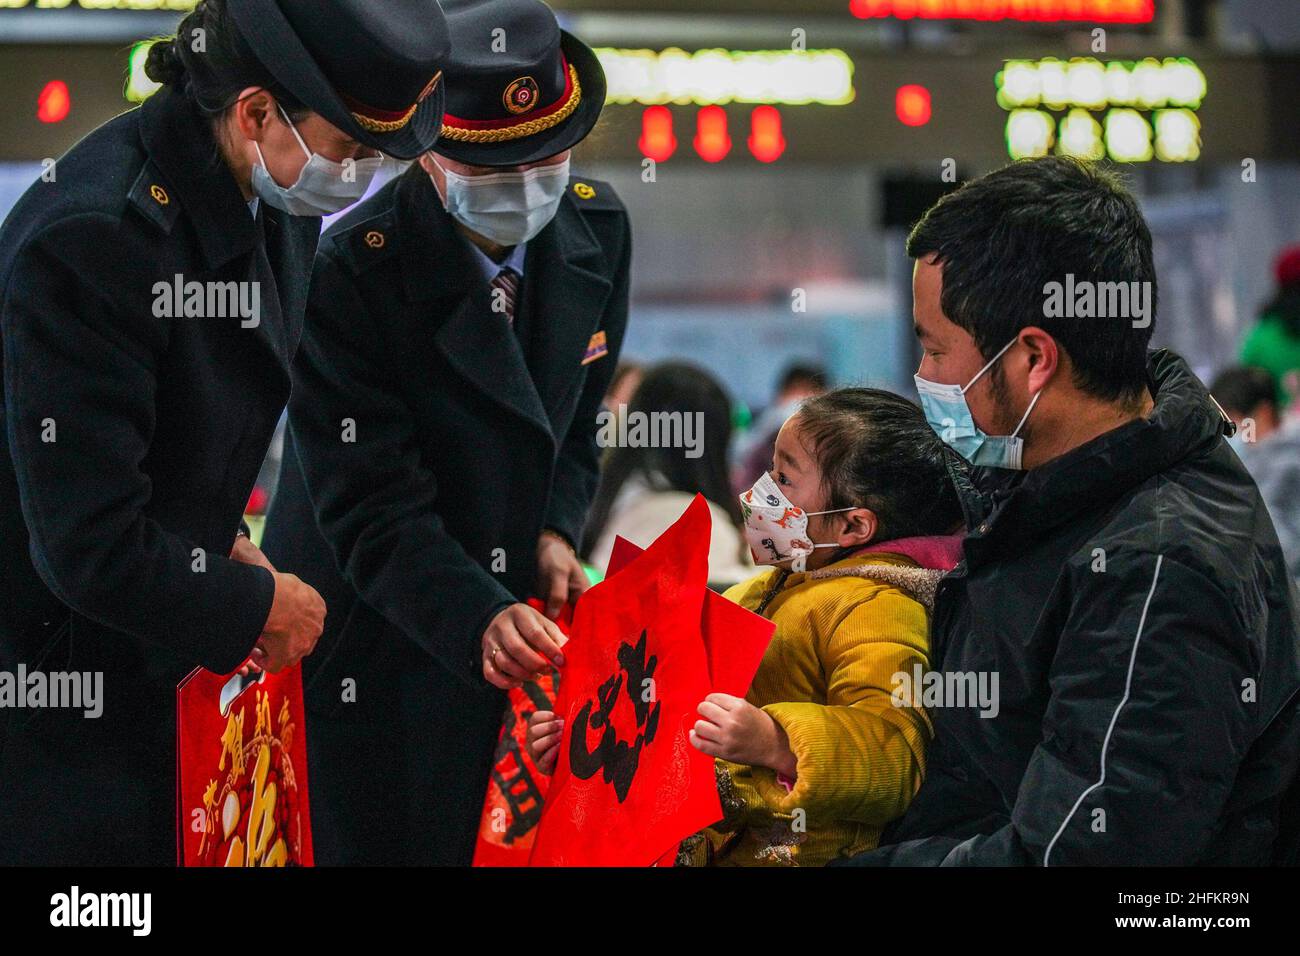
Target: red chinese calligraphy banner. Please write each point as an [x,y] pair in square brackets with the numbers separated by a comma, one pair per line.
[628,786]
[734,639]
[241,774]
[516,789]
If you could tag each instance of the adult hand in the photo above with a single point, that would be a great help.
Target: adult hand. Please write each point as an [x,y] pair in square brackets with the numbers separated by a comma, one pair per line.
[519,644]
[734,729]
[560,575]
[245,552]
[294,625]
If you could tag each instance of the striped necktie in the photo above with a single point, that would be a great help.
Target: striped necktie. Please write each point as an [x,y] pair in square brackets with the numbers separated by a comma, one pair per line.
[507,282]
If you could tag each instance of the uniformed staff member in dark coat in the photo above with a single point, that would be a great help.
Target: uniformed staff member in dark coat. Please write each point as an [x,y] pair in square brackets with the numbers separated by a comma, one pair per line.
[463,326]
[137,410]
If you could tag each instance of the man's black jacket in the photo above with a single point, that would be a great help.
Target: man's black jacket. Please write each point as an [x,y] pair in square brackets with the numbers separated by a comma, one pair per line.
[1132,599]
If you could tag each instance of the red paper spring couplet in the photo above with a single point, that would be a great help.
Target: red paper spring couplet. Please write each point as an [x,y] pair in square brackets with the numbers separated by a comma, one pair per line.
[628,785]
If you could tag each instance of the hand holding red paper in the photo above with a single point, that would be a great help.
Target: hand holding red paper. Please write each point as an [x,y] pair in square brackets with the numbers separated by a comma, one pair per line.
[734,729]
[648,645]
[544,732]
[519,644]
[561,577]
[517,785]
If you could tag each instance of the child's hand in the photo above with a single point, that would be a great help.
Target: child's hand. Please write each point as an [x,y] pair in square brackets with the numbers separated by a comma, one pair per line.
[736,730]
[544,733]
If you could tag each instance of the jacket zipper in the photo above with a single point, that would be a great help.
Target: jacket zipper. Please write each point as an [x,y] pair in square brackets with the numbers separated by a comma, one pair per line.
[772,592]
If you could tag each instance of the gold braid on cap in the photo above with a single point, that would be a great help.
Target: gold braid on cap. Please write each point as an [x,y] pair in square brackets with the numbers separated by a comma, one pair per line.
[385,126]
[392,125]
[526,128]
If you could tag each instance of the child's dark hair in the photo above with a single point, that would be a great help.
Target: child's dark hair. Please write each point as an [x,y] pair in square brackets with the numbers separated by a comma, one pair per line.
[212,63]
[876,450]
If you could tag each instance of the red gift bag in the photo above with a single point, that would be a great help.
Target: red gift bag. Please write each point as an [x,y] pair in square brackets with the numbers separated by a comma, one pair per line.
[241,770]
[516,788]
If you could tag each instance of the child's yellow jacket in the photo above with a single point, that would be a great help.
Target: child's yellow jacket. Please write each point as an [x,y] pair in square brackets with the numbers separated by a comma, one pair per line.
[827,679]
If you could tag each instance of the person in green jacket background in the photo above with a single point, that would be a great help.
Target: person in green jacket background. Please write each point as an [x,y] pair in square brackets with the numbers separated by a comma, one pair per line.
[1274,341]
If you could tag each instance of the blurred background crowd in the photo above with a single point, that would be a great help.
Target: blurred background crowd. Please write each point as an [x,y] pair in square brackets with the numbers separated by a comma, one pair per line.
[770,200]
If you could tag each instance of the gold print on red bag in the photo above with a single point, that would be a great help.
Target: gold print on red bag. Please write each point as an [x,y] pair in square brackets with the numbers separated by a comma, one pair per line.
[254,817]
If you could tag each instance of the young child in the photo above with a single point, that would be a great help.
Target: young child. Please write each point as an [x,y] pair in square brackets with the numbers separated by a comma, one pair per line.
[857,517]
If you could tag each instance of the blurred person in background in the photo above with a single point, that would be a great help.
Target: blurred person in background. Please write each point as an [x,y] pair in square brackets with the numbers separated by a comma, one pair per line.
[626,380]
[1274,342]
[643,489]
[123,553]
[798,382]
[465,321]
[1249,396]
[1269,445]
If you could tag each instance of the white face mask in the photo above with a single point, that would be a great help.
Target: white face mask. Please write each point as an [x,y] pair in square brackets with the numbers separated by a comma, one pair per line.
[510,207]
[775,529]
[323,188]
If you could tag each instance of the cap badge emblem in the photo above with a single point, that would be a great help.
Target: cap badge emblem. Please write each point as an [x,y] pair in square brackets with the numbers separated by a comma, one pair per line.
[521,95]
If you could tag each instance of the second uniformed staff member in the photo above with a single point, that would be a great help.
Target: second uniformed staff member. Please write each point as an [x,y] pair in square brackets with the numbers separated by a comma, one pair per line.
[463,327]
[135,427]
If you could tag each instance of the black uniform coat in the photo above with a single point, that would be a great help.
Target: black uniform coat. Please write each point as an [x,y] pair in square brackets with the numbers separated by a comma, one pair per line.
[159,426]
[1132,598]
[464,446]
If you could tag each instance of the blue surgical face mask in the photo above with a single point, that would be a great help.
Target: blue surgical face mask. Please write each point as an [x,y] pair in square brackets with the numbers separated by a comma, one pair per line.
[509,207]
[949,415]
[323,188]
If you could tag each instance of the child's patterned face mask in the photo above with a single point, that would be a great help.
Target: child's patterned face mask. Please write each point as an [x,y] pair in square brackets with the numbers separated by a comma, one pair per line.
[775,529]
